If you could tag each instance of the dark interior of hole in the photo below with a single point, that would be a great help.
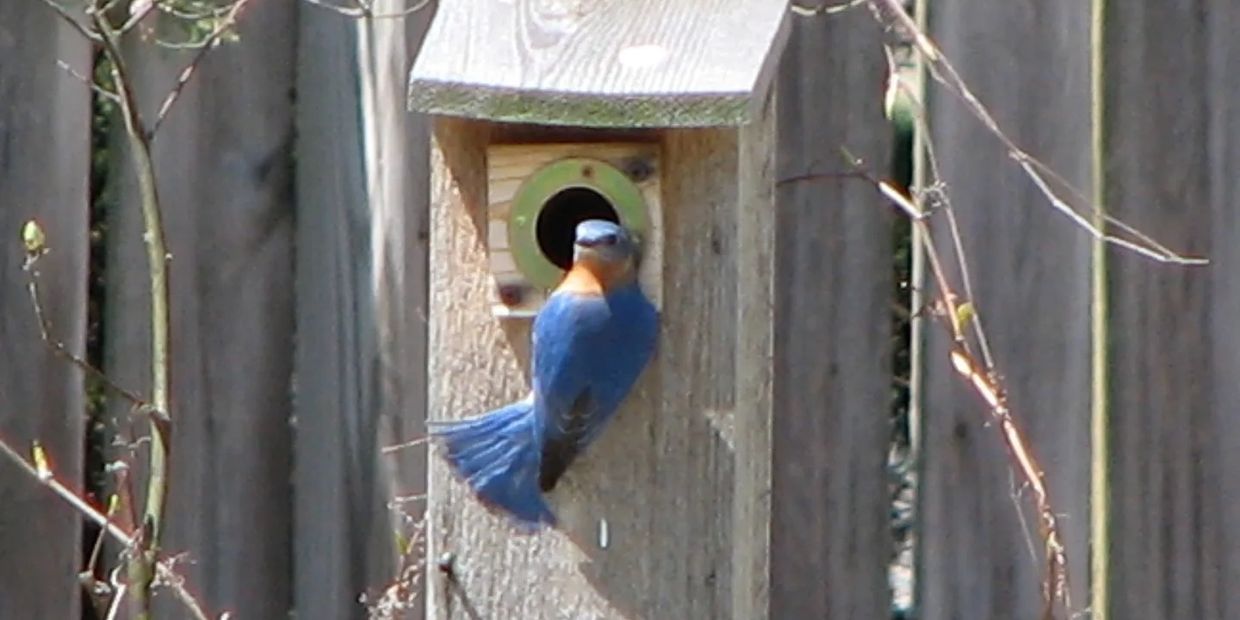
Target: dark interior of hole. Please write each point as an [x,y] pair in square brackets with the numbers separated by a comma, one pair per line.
[558,219]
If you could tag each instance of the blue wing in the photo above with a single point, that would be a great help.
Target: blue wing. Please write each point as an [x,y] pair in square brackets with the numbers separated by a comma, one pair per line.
[588,352]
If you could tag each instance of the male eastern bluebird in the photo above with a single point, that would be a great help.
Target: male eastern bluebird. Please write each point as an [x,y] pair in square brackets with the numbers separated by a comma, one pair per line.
[591,340]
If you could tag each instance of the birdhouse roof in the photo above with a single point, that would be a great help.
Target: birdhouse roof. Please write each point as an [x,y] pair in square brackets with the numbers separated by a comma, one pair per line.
[600,63]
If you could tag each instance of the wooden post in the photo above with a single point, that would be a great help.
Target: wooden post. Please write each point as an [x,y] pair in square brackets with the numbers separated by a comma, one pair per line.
[648,519]
[830,522]
[669,513]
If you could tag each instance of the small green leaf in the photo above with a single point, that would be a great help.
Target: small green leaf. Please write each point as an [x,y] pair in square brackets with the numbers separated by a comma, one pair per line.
[33,238]
[964,314]
[41,463]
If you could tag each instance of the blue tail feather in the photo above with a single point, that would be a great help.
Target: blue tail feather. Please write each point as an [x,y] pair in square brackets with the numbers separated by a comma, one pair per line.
[498,454]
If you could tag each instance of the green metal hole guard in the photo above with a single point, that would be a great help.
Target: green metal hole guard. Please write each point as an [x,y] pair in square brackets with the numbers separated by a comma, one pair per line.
[608,181]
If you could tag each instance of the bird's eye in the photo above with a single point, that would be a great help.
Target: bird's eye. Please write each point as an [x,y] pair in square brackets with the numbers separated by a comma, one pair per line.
[609,239]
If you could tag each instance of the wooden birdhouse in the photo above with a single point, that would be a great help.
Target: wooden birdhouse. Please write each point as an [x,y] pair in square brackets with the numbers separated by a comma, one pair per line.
[657,115]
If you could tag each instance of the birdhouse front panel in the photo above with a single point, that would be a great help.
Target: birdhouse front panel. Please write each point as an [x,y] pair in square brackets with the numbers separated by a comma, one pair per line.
[662,515]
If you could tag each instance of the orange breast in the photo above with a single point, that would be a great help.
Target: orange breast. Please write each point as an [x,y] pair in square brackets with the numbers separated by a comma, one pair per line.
[582,280]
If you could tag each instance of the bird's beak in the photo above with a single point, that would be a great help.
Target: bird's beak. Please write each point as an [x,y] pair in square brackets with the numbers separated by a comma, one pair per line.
[580,251]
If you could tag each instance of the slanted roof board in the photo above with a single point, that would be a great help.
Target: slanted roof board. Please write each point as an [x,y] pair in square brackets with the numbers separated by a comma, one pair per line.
[635,63]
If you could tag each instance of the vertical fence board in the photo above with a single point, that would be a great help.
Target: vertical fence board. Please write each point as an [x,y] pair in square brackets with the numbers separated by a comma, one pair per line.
[44,171]
[829,533]
[360,292]
[224,172]
[397,170]
[335,343]
[1031,273]
[1170,158]
[1224,160]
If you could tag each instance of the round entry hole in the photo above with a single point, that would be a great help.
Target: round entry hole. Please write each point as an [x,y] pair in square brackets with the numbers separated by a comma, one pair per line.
[557,221]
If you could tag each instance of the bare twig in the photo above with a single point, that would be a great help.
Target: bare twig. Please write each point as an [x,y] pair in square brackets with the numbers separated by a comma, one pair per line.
[103,596]
[936,195]
[401,500]
[107,6]
[893,16]
[364,9]
[406,444]
[826,9]
[98,547]
[226,23]
[1100,363]
[920,217]
[1055,589]
[982,377]
[67,16]
[143,545]
[984,381]
[142,559]
[137,12]
[207,12]
[966,281]
[99,90]
[59,348]
[42,474]
[401,594]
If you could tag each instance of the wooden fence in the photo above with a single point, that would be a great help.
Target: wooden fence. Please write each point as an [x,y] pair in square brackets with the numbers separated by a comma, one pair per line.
[296,191]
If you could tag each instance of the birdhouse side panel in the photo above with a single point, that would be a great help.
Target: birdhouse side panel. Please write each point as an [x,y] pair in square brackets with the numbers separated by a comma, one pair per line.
[755,371]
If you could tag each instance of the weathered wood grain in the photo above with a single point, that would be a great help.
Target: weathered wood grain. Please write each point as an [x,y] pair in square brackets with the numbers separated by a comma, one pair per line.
[636,63]
[1222,434]
[1031,273]
[832,350]
[361,291]
[224,170]
[662,476]
[44,174]
[335,496]
[397,168]
[1170,146]
[753,416]
[361,238]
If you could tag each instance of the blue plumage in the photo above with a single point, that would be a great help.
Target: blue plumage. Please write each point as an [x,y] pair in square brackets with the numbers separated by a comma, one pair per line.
[591,341]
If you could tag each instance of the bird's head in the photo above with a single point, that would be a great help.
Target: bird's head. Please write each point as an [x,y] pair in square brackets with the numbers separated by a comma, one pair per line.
[607,251]
[604,243]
